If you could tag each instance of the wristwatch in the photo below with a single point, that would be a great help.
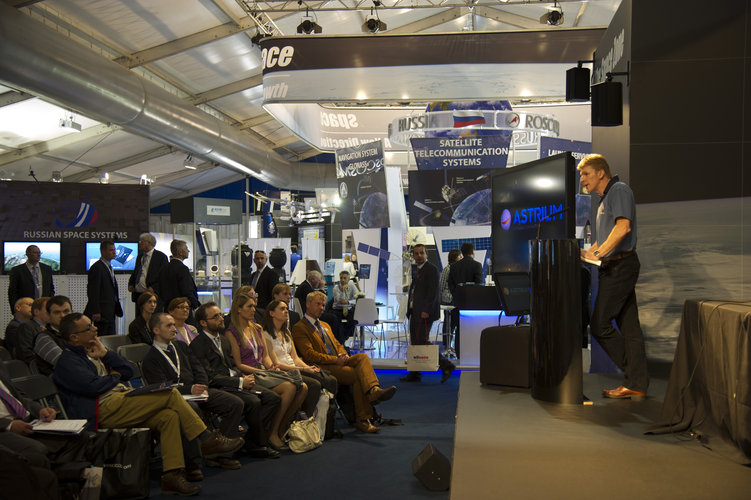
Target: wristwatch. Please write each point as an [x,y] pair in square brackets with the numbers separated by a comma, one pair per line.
[596,253]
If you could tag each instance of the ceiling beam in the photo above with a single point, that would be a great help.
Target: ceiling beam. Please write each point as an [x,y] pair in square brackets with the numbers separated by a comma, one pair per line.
[60,142]
[225,90]
[254,121]
[429,22]
[126,162]
[508,18]
[185,43]
[12,97]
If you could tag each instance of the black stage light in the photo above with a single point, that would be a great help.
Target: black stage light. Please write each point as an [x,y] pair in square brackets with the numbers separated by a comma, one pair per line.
[309,26]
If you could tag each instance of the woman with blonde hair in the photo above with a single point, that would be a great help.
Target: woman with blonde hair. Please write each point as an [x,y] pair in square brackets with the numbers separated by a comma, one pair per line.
[251,356]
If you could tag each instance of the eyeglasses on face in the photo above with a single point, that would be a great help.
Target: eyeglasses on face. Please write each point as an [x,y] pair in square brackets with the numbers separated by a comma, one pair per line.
[88,329]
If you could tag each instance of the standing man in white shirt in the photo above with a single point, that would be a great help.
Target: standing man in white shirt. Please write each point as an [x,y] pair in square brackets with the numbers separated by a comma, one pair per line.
[149,264]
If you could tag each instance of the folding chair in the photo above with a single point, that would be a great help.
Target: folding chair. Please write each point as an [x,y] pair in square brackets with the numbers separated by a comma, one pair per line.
[366,316]
[114,342]
[135,353]
[42,389]
[400,321]
[16,368]
[5,354]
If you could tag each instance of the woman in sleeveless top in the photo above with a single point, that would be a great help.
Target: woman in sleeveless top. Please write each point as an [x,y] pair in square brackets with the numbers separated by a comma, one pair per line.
[251,356]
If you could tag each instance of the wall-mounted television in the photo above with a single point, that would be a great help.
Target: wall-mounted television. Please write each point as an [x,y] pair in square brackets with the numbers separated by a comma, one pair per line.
[125,256]
[14,253]
[534,200]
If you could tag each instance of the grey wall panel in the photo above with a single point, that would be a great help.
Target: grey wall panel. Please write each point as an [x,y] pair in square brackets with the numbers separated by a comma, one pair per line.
[687,101]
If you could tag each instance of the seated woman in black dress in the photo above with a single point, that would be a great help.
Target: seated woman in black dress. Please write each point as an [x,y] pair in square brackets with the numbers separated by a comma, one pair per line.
[138,330]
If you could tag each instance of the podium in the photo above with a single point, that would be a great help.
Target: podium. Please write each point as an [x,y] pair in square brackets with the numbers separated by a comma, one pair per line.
[556,321]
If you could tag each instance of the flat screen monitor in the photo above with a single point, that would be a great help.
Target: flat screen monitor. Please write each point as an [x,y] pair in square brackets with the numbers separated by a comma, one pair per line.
[14,253]
[515,292]
[125,255]
[534,200]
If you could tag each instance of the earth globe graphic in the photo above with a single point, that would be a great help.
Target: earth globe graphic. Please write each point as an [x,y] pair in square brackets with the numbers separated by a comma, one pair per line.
[374,211]
[474,210]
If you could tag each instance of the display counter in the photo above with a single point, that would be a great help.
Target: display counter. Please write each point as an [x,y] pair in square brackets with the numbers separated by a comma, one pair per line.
[479,308]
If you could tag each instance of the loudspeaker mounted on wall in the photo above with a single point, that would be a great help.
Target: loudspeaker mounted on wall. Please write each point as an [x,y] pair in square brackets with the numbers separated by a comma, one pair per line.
[607,104]
[432,468]
[577,84]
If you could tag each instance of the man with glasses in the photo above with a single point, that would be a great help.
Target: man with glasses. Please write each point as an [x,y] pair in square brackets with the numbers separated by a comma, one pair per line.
[90,380]
[32,279]
[214,352]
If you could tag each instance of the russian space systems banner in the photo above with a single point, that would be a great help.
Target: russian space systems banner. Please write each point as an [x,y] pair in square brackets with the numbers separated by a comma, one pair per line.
[362,186]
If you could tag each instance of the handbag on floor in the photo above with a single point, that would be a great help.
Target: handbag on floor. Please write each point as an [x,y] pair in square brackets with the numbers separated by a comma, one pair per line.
[123,455]
[303,435]
[322,410]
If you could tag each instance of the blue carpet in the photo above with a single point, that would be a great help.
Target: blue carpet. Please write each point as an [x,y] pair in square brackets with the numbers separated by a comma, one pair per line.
[360,466]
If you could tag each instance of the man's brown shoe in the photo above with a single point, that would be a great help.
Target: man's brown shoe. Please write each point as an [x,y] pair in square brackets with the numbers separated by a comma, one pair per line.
[378,394]
[366,427]
[624,393]
[219,444]
[193,473]
[174,483]
[224,462]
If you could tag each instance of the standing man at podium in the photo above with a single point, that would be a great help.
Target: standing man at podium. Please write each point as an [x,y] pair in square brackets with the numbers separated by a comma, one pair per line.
[615,248]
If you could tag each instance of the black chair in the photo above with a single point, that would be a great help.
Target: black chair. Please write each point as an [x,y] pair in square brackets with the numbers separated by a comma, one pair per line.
[135,353]
[5,354]
[16,368]
[42,389]
[114,342]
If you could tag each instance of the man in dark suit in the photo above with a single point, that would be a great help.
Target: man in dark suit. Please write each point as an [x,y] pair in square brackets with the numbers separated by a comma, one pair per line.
[175,279]
[30,279]
[28,331]
[312,283]
[467,270]
[214,353]
[101,289]
[149,264]
[263,280]
[423,308]
[169,361]
[21,314]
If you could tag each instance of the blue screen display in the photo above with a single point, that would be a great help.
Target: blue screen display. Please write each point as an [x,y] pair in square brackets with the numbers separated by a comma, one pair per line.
[125,256]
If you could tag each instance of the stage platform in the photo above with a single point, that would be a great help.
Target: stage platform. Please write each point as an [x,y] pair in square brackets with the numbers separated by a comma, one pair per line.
[508,445]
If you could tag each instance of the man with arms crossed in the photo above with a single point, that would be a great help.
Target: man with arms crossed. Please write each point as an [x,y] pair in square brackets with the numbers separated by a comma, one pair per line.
[615,248]
[316,344]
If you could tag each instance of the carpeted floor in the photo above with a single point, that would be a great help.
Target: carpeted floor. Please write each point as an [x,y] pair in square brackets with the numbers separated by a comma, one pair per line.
[359,466]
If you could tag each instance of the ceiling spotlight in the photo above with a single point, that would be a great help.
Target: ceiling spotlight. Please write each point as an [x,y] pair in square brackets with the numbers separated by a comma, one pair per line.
[189,162]
[260,35]
[146,180]
[554,16]
[373,25]
[105,178]
[308,25]
[71,124]
[57,176]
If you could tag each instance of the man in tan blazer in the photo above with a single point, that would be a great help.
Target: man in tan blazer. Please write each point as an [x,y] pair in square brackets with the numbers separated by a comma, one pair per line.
[316,344]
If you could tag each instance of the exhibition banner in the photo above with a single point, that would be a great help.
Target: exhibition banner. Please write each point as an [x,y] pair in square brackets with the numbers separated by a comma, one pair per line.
[450,197]
[550,146]
[362,186]
[72,214]
[472,151]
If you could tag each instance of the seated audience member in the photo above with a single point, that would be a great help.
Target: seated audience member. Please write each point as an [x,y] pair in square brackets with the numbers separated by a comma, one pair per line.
[251,357]
[316,344]
[313,282]
[49,344]
[179,308]
[250,291]
[28,331]
[170,361]
[21,314]
[17,434]
[90,380]
[343,307]
[284,355]
[283,292]
[214,352]
[138,330]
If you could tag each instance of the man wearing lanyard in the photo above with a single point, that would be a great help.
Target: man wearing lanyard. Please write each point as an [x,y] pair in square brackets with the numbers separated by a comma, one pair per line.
[169,361]
[615,248]
[316,344]
[102,291]
[30,279]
